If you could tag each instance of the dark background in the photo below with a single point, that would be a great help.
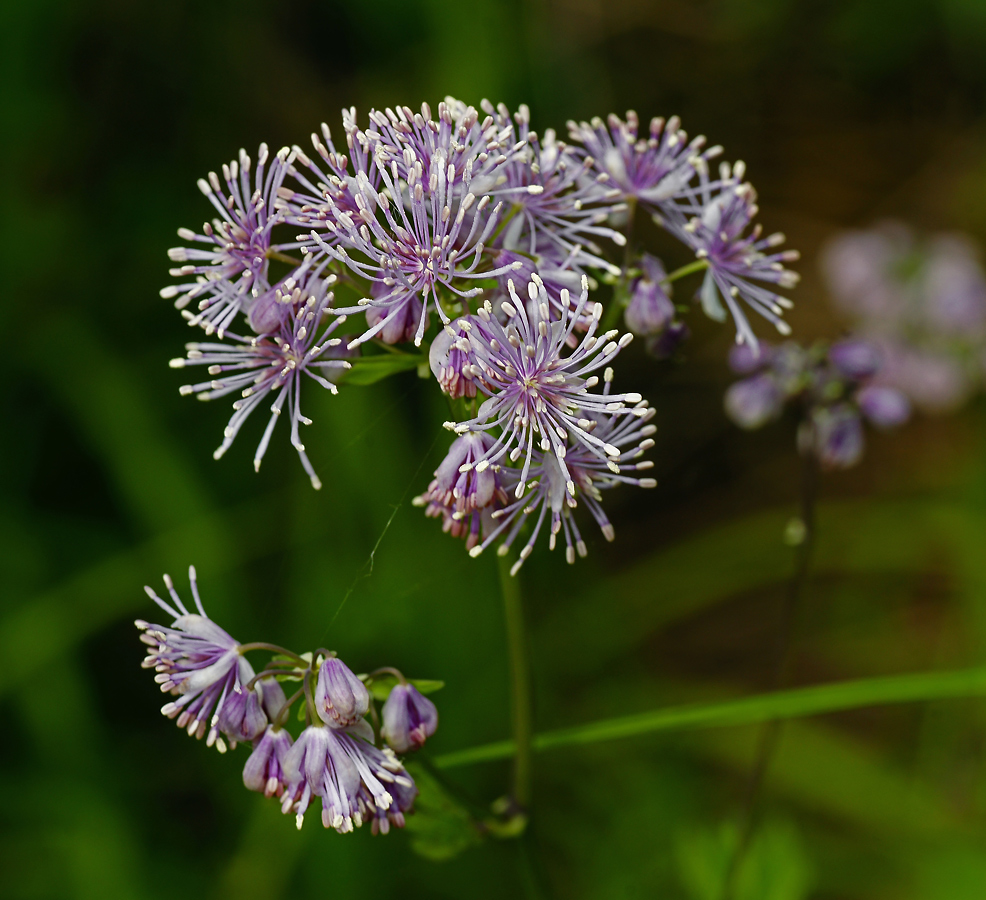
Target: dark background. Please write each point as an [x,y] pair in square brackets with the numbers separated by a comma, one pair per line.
[845,112]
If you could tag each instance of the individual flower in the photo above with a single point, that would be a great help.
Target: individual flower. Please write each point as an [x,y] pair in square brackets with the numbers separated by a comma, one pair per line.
[536,396]
[264,769]
[450,361]
[196,661]
[720,231]
[243,717]
[462,496]
[544,489]
[350,776]
[271,367]
[834,388]
[229,260]
[409,718]
[654,170]
[341,699]
[650,310]
[421,222]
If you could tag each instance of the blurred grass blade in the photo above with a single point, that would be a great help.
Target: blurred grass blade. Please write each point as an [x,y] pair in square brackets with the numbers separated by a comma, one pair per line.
[790,704]
[371,369]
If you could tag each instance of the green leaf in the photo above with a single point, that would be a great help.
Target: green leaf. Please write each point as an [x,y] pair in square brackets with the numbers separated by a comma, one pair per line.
[747,711]
[371,369]
[440,828]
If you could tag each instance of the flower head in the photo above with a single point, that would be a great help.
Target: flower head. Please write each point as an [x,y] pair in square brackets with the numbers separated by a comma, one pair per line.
[230,258]
[409,718]
[196,661]
[536,396]
[272,366]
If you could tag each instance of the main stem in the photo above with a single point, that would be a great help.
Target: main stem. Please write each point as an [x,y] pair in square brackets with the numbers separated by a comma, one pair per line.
[770,733]
[520,684]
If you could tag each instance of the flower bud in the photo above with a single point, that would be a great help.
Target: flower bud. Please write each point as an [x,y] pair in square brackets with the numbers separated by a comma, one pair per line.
[837,437]
[885,407]
[242,717]
[754,401]
[409,718]
[650,310]
[403,319]
[341,699]
[855,358]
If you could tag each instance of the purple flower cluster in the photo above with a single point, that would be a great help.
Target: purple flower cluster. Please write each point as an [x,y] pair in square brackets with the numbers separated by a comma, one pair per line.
[922,301]
[834,387]
[338,757]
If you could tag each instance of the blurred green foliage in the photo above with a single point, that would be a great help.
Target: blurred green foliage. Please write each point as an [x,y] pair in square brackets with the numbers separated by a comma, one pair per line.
[843,111]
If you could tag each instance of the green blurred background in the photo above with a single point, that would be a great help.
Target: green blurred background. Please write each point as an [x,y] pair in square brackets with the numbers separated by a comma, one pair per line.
[844,112]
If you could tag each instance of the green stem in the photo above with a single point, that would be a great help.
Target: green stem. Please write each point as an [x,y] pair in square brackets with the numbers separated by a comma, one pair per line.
[789,704]
[696,266]
[620,300]
[273,648]
[520,685]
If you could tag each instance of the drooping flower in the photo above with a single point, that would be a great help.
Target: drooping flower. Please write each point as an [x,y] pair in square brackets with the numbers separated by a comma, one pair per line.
[229,260]
[264,769]
[350,776]
[544,489]
[461,495]
[650,310]
[534,392]
[341,699]
[272,366]
[196,661]
[409,718]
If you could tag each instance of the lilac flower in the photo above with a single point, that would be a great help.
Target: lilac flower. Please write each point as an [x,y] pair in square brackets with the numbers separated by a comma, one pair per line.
[272,366]
[460,494]
[243,717]
[264,770]
[341,699]
[855,358]
[349,775]
[533,390]
[654,170]
[835,436]
[717,231]
[885,407]
[230,258]
[558,207]
[409,718]
[548,491]
[450,363]
[421,220]
[196,661]
[650,310]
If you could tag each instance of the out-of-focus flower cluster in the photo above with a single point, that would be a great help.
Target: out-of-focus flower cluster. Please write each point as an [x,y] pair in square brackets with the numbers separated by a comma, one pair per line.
[339,757]
[921,301]
[834,387]
[467,232]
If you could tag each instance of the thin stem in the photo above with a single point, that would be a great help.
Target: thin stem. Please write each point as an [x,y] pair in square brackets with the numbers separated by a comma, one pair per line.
[520,684]
[389,670]
[282,716]
[619,290]
[770,733]
[696,266]
[274,648]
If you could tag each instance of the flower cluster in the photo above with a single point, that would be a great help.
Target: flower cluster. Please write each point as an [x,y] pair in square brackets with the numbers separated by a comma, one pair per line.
[922,301]
[466,232]
[834,387]
[339,757]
